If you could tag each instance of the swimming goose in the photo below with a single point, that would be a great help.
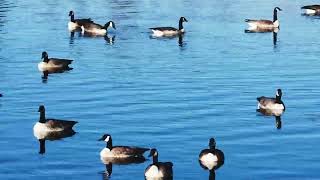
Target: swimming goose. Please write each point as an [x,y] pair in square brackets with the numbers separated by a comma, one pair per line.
[169,31]
[271,103]
[53,64]
[111,151]
[312,9]
[45,126]
[76,23]
[158,169]
[97,29]
[255,24]
[211,158]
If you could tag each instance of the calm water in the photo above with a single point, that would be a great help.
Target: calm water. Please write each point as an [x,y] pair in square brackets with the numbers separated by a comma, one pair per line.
[155,93]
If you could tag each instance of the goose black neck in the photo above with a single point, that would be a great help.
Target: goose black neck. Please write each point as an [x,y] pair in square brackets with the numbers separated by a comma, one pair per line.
[72,18]
[42,146]
[278,98]
[212,175]
[180,24]
[155,158]
[109,169]
[42,117]
[46,59]
[109,144]
[275,15]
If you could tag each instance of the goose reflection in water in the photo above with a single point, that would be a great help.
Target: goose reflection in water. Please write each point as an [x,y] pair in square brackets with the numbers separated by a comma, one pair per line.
[53,136]
[45,74]
[265,30]
[274,112]
[110,39]
[108,161]
[180,37]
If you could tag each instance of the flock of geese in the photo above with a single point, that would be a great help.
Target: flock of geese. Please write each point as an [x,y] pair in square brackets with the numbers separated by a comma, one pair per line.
[210,159]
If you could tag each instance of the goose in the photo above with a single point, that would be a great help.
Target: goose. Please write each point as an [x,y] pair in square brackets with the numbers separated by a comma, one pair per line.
[312,9]
[46,126]
[169,31]
[265,24]
[211,158]
[97,29]
[111,151]
[271,103]
[76,23]
[53,64]
[158,169]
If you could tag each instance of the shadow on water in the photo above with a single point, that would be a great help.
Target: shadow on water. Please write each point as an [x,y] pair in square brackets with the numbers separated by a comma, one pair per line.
[119,161]
[266,30]
[53,136]
[276,113]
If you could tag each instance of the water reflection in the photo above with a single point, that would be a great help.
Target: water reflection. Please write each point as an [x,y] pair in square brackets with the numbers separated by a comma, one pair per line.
[119,161]
[274,112]
[45,74]
[52,136]
[110,39]
[265,30]
[180,37]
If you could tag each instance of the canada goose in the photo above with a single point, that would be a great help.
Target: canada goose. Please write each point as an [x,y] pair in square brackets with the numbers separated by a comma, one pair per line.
[97,29]
[211,158]
[76,23]
[52,136]
[169,31]
[271,103]
[53,64]
[111,151]
[158,169]
[262,24]
[44,126]
[312,9]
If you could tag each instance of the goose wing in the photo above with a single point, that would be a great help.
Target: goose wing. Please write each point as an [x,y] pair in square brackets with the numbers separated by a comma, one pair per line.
[80,22]
[261,21]
[92,26]
[56,61]
[313,7]
[266,100]
[164,29]
[165,168]
[129,150]
[63,124]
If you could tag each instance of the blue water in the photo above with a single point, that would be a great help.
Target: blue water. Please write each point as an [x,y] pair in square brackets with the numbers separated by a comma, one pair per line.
[159,93]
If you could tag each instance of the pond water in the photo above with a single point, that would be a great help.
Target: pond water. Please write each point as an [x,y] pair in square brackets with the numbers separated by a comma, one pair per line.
[165,93]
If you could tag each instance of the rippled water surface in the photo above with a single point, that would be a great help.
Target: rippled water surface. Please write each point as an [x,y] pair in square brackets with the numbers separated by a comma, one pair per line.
[161,92]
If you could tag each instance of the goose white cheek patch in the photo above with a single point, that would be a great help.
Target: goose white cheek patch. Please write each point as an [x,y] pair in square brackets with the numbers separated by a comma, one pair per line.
[107,139]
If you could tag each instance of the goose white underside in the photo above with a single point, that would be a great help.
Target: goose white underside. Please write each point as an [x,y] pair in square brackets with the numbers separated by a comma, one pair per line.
[43,66]
[158,33]
[99,32]
[153,172]
[310,11]
[271,106]
[106,153]
[209,160]
[72,26]
[41,130]
[257,25]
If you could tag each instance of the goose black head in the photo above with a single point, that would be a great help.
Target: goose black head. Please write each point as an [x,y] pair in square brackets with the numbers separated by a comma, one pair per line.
[279,93]
[110,24]
[71,13]
[105,137]
[44,56]
[277,8]
[41,108]
[212,143]
[183,19]
[153,152]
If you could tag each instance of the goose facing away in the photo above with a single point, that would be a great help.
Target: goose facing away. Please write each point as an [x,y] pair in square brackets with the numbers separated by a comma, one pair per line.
[75,24]
[53,64]
[312,9]
[44,126]
[111,151]
[97,29]
[262,24]
[271,103]
[169,31]
[211,158]
[158,169]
